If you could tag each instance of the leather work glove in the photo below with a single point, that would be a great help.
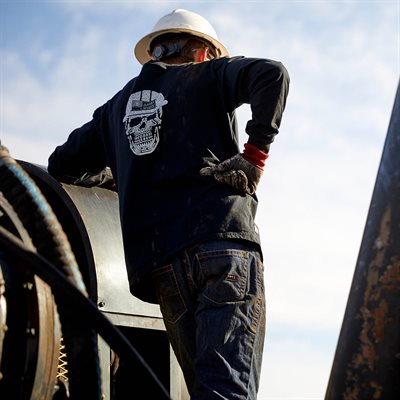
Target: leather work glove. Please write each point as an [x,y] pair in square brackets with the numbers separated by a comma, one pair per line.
[242,171]
[103,179]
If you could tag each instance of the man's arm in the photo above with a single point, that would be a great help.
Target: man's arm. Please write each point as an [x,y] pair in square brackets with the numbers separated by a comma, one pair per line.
[264,84]
[81,158]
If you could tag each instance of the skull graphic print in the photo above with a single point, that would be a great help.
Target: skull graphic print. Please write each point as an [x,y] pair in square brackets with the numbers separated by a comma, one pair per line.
[143,121]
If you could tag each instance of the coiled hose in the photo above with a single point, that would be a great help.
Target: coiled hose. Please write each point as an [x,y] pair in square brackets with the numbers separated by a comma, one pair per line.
[51,242]
[55,263]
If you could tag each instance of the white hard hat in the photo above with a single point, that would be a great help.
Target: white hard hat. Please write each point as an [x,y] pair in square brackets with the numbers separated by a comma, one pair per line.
[180,21]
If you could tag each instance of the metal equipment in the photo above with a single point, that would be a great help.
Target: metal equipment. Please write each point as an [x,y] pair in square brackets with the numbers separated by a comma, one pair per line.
[131,346]
[367,359]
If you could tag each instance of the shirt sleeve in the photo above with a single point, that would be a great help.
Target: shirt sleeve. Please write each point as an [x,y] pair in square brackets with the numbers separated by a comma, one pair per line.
[82,153]
[264,84]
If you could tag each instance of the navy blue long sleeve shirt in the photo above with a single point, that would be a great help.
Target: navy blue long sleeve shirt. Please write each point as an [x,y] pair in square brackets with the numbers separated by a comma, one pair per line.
[156,134]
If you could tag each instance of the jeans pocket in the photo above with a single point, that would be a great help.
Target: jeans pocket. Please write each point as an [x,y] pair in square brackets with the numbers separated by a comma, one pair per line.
[225,274]
[170,299]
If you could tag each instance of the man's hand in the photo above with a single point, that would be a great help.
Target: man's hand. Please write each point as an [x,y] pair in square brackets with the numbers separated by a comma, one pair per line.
[103,179]
[242,171]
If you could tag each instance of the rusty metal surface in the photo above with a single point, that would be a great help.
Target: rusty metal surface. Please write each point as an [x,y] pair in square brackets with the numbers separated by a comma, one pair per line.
[367,359]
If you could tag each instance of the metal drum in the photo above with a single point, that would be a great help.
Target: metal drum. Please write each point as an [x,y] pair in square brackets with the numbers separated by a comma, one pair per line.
[90,219]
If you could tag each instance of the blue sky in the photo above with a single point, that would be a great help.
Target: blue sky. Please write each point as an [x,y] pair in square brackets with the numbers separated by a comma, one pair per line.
[62,59]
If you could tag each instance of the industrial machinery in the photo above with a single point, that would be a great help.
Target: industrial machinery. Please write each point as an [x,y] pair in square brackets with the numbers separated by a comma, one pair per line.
[69,327]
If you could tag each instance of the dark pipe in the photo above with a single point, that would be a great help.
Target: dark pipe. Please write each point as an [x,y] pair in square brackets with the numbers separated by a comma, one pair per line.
[367,358]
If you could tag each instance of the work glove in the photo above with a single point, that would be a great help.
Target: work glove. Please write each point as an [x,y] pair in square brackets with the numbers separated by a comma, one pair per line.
[103,179]
[242,171]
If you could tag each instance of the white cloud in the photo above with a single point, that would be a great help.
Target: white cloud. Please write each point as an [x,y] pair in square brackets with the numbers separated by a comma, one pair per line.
[32,150]
[48,107]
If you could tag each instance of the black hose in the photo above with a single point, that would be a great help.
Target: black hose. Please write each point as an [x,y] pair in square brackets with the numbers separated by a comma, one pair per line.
[38,218]
[51,242]
[86,312]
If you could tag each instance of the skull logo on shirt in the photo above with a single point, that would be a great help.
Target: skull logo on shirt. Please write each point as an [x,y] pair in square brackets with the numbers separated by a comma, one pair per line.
[143,121]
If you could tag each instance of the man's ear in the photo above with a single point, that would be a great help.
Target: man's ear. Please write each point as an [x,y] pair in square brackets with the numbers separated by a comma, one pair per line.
[201,54]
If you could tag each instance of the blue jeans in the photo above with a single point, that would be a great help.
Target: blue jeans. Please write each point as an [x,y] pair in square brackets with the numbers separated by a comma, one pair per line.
[213,305]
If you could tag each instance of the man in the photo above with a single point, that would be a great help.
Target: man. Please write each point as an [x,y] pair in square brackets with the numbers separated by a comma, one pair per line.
[187,195]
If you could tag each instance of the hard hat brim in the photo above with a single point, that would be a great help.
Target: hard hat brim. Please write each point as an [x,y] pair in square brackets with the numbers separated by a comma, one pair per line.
[143,45]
